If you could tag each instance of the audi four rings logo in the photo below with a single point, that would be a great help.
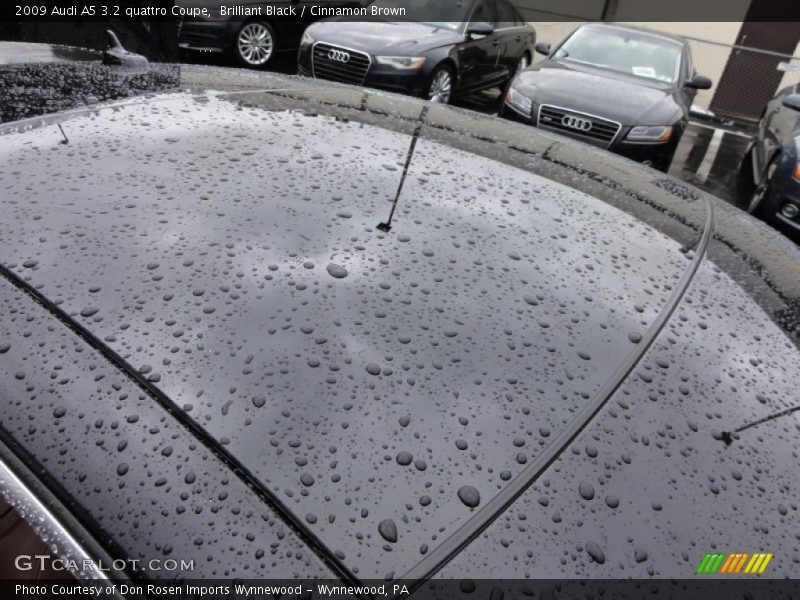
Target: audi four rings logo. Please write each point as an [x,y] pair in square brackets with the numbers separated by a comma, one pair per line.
[576,123]
[339,55]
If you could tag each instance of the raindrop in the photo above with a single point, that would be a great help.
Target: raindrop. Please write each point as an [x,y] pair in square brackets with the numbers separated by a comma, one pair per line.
[496,594]
[467,586]
[404,458]
[586,490]
[595,552]
[469,496]
[337,271]
[388,530]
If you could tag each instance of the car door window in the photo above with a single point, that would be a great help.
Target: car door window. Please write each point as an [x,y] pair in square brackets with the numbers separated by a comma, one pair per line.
[483,13]
[506,16]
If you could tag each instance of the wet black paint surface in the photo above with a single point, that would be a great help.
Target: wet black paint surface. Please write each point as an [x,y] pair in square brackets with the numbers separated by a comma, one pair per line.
[231,256]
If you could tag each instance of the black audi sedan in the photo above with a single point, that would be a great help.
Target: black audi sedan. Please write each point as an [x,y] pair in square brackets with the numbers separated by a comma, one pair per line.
[301,330]
[625,89]
[773,157]
[251,32]
[441,48]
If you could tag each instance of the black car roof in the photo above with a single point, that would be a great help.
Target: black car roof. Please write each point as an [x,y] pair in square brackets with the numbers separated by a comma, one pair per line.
[358,375]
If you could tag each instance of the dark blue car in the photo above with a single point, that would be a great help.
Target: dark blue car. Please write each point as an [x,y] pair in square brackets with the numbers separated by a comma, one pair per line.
[775,158]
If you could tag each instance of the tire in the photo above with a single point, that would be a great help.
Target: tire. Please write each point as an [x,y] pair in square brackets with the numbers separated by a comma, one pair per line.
[746,166]
[756,205]
[440,85]
[254,46]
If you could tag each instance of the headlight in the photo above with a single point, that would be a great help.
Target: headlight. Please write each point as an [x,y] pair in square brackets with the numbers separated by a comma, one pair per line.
[413,63]
[306,40]
[648,133]
[519,101]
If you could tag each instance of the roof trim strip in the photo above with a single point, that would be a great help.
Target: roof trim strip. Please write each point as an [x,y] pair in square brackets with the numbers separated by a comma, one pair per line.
[38,507]
[308,538]
[442,554]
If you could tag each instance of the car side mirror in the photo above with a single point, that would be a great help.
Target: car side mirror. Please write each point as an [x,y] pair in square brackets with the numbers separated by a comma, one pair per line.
[480,29]
[792,101]
[699,82]
[542,48]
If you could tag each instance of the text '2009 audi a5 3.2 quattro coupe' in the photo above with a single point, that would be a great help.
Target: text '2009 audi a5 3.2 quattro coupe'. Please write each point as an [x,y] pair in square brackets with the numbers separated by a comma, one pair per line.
[300,330]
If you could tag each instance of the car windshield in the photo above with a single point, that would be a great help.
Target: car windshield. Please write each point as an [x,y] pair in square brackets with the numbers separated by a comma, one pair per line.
[624,51]
[438,13]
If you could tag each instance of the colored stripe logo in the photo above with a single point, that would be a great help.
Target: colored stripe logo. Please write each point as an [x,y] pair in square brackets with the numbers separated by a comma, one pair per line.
[734,563]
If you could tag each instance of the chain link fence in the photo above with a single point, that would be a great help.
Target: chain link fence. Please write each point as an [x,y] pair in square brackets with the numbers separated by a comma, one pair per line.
[745,79]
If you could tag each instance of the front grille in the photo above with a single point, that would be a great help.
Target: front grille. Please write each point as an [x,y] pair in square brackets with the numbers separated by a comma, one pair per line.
[600,132]
[352,70]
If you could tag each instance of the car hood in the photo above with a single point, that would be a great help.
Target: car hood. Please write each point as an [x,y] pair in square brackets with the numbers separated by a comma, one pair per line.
[380,386]
[615,97]
[383,37]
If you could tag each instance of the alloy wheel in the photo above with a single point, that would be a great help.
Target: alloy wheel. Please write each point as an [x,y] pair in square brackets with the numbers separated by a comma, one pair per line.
[761,190]
[439,90]
[255,44]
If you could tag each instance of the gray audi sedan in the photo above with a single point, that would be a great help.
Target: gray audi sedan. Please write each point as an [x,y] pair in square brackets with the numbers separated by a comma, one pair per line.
[618,87]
